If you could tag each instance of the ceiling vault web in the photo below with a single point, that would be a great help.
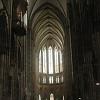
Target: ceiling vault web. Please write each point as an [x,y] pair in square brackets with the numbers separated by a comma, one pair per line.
[47,24]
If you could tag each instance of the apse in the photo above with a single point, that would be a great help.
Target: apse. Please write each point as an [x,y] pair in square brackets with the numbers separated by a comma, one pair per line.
[48,30]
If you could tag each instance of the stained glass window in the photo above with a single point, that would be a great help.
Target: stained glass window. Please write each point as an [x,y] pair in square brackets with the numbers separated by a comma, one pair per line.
[44,60]
[56,60]
[61,67]
[40,62]
[50,58]
[50,63]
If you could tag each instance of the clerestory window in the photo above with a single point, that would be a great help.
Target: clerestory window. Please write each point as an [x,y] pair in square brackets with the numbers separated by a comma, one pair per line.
[50,65]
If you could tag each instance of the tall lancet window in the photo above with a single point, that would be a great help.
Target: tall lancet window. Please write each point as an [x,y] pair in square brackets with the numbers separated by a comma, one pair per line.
[63,98]
[44,60]
[61,63]
[50,60]
[51,96]
[56,60]
[40,62]
[39,97]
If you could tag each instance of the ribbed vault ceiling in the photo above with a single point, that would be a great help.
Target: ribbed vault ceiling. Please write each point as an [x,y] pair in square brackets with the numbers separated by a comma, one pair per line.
[1,5]
[48,26]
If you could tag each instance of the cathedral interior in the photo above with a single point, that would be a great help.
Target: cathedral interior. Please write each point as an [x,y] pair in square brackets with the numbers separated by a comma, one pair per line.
[49,49]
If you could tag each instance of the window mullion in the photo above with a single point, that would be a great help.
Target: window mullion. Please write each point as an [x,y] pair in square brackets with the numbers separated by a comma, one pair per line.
[47,60]
[59,60]
[47,65]
[55,59]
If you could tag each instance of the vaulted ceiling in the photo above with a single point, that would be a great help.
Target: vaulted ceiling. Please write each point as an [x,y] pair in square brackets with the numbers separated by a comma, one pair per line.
[1,5]
[47,20]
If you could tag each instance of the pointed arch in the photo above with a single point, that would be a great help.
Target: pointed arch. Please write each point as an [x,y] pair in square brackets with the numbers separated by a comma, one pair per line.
[39,97]
[51,96]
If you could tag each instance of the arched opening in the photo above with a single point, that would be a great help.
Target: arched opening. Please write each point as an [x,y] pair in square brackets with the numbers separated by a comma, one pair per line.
[39,97]
[51,96]
[63,98]
[50,64]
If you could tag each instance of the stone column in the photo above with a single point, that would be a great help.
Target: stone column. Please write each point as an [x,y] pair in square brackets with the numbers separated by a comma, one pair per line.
[1,76]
